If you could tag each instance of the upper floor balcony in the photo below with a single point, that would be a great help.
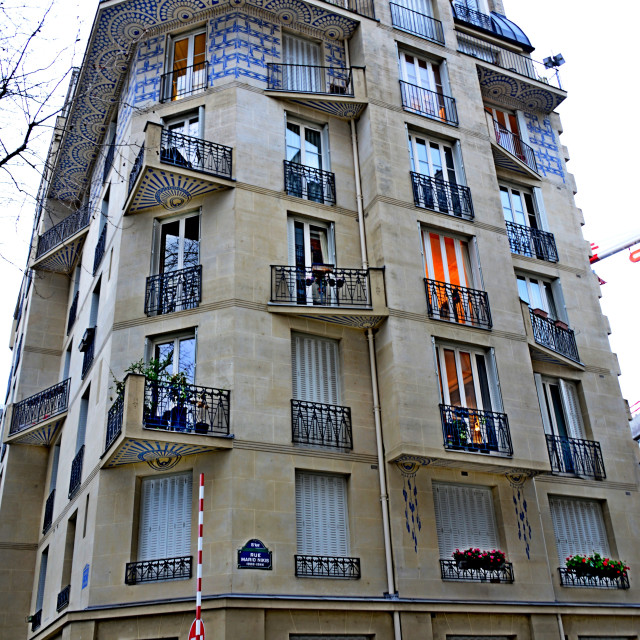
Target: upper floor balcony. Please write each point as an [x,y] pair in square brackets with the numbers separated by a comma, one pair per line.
[361,7]
[310,183]
[184,81]
[530,242]
[38,418]
[59,247]
[441,196]
[322,425]
[417,23]
[173,291]
[172,168]
[461,305]
[353,297]
[510,151]
[157,421]
[430,104]
[575,456]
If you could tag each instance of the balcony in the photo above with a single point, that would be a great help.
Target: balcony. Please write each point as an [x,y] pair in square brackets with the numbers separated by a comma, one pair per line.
[475,430]
[322,425]
[63,598]
[60,247]
[99,252]
[108,160]
[452,570]
[309,183]
[48,512]
[173,291]
[417,23]
[87,347]
[452,303]
[184,82]
[36,620]
[158,570]
[157,422]
[441,196]
[308,566]
[569,578]
[339,90]
[75,479]
[527,84]
[38,418]
[361,7]
[575,456]
[429,103]
[530,242]
[352,297]
[510,152]
[73,309]
[171,169]
[473,17]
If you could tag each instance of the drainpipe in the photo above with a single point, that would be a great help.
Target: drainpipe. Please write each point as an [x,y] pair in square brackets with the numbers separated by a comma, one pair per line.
[382,478]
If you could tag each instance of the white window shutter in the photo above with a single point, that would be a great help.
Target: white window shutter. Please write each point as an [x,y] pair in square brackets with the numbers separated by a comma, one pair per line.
[291,242]
[315,369]
[572,409]
[542,401]
[494,380]
[540,210]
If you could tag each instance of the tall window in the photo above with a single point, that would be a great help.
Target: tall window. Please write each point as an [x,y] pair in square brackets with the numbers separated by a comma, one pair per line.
[188,65]
[434,158]
[316,372]
[303,60]
[560,407]
[447,259]
[178,353]
[518,206]
[177,244]
[427,85]
[540,293]
[42,579]
[183,151]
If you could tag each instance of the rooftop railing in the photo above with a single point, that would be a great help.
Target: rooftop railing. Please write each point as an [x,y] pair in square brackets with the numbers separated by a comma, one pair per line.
[576,456]
[416,23]
[475,430]
[554,336]
[310,183]
[185,81]
[473,17]
[534,243]
[454,303]
[429,103]
[196,154]
[40,407]
[442,196]
[324,425]
[305,78]
[514,144]
[62,231]
[173,291]
[361,7]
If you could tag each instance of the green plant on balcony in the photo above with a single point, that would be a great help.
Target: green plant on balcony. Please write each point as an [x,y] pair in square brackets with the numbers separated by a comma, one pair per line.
[474,558]
[597,566]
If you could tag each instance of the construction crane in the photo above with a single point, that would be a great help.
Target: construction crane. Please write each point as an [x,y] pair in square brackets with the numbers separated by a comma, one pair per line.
[634,256]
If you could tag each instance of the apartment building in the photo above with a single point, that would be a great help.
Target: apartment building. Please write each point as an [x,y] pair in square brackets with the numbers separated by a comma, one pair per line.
[326,254]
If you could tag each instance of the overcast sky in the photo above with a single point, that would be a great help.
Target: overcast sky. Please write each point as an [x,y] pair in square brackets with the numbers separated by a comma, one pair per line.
[599,45]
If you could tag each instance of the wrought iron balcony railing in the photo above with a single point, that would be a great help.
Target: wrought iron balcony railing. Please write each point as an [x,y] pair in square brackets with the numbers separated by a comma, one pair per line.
[320,285]
[569,578]
[100,246]
[473,17]
[173,291]
[461,305]
[325,425]
[48,512]
[308,566]
[515,145]
[108,160]
[62,231]
[137,168]
[88,345]
[452,570]
[40,407]
[156,570]
[475,430]
[417,23]
[36,620]
[187,408]
[534,243]
[361,7]
[63,599]
[306,78]
[114,421]
[442,196]
[552,335]
[576,456]
[310,183]
[76,472]
[429,103]
[73,309]
[183,82]
[196,154]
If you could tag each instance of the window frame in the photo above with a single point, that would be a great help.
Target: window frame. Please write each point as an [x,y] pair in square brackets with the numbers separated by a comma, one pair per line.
[158,223]
[326,388]
[155,341]
[552,290]
[323,132]
[171,41]
[472,276]
[456,156]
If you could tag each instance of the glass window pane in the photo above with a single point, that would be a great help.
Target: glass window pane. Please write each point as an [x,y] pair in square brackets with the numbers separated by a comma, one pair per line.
[191,256]
[312,149]
[523,291]
[293,142]
[198,49]
[536,295]
[180,53]
[467,380]
[507,209]
[452,377]
[170,246]
[187,358]
[163,353]
[436,161]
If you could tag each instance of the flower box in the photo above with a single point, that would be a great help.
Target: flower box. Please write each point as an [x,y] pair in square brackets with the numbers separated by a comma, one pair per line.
[561,325]
[541,313]
[474,558]
[596,566]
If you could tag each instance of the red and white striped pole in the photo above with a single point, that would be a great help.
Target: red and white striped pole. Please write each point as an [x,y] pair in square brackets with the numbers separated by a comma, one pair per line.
[197,628]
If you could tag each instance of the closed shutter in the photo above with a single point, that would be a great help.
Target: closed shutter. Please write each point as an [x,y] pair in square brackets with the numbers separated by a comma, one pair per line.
[572,409]
[322,525]
[578,526]
[165,517]
[315,369]
[464,518]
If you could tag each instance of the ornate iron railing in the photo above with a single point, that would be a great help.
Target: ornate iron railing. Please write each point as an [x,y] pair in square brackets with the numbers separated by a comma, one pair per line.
[509,60]
[108,160]
[306,78]
[156,570]
[63,598]
[62,231]
[136,169]
[179,83]
[114,421]
[569,578]
[73,309]
[76,472]
[325,425]
[515,145]
[457,304]
[361,7]
[48,512]
[429,103]
[36,620]
[40,407]
[312,184]
[475,430]
[187,408]
[577,456]
[473,17]
[549,334]
[173,291]
[196,154]
[308,566]
[417,23]
[320,285]
[534,243]
[442,196]
[453,570]
[87,356]
[100,246]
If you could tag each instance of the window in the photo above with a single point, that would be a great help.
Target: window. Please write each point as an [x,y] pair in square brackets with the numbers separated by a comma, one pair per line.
[508,133]
[560,407]
[322,522]
[42,578]
[447,259]
[181,150]
[465,518]
[302,60]
[177,244]
[315,363]
[541,293]
[518,206]
[578,526]
[416,16]
[424,87]
[179,354]
[188,66]
[165,517]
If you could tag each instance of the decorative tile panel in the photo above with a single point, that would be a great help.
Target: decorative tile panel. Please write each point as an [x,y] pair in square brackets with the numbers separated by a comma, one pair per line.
[41,435]
[545,145]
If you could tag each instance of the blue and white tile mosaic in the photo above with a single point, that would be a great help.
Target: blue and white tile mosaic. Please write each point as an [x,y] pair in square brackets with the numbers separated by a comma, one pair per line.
[545,145]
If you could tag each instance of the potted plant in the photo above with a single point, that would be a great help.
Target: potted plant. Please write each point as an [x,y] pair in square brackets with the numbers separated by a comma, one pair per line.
[597,566]
[561,325]
[202,412]
[541,313]
[467,559]
[179,394]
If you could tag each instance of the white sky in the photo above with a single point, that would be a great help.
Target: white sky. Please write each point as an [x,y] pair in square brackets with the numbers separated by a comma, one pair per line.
[599,45]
